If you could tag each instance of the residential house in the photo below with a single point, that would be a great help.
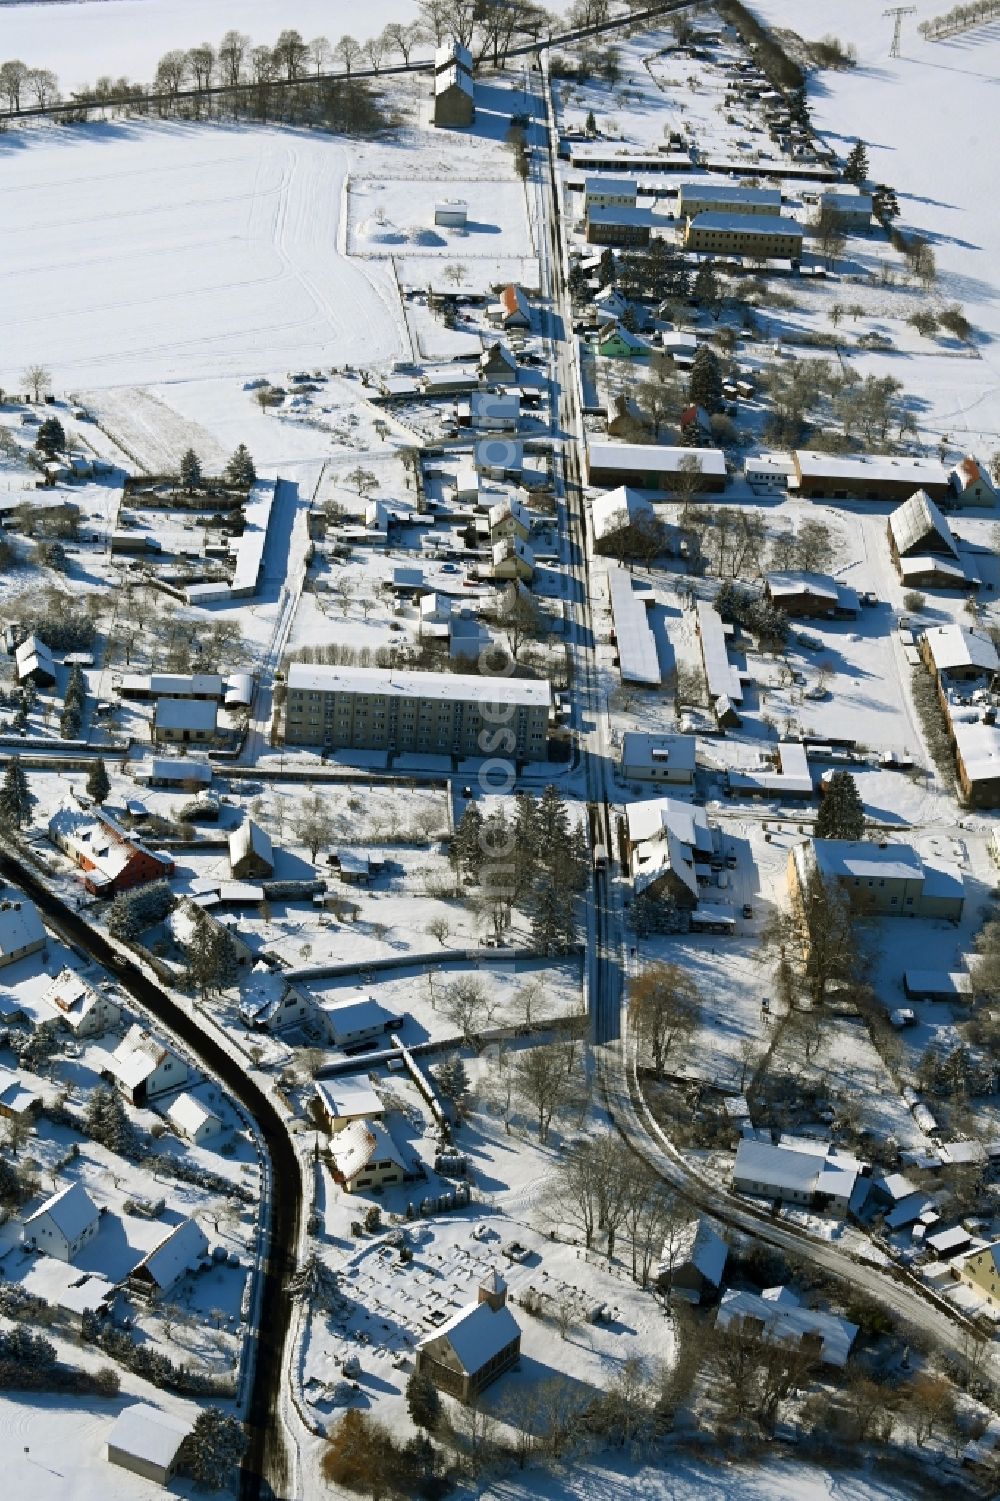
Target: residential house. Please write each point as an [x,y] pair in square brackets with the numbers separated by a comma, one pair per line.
[726,198]
[499,458]
[969,485]
[185,721]
[615,342]
[917,527]
[358,1024]
[783,772]
[109,856]
[21,931]
[614,513]
[147,1441]
[668,840]
[143,1067]
[609,192]
[364,1155]
[79,1007]
[960,657]
[512,559]
[977,757]
[154,685]
[342,1101]
[981,1272]
[509,518]
[182,1250]
[777,1315]
[268,1002]
[454,93]
[493,413]
[189,918]
[475,1346]
[611,304]
[696,1265]
[650,757]
[496,363]
[853,210]
[183,774]
[64,1224]
[803,595]
[33,663]
[193,1119]
[796,1171]
[759,236]
[882,879]
[609,224]
[827,476]
[652,466]
[250,852]
[513,310]
[18,1100]
[468,638]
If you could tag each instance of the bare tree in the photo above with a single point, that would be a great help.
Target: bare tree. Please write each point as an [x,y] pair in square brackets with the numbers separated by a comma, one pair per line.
[543,1084]
[466,1005]
[347,51]
[313,825]
[664,1008]
[38,380]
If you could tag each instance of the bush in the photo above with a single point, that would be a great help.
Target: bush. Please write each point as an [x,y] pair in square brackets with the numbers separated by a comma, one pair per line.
[914,601]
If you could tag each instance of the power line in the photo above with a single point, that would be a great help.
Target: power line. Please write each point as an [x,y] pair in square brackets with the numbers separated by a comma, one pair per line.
[898,11]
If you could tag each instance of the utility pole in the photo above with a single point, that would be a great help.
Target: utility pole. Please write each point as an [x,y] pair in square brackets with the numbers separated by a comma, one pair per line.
[898,12]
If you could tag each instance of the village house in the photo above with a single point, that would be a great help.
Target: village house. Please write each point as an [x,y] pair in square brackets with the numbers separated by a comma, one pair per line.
[512,559]
[18,1099]
[454,90]
[961,659]
[615,342]
[649,757]
[668,841]
[811,594]
[269,1003]
[182,774]
[614,513]
[192,1119]
[826,476]
[981,1272]
[853,210]
[143,1067]
[652,466]
[110,858]
[513,309]
[609,192]
[969,485]
[182,1250]
[64,1224]
[496,363]
[977,757]
[358,1024]
[509,517]
[499,458]
[184,721]
[364,1155]
[189,919]
[883,879]
[250,852]
[777,1315]
[154,685]
[759,236]
[342,1101]
[33,663]
[21,931]
[79,1007]
[698,1264]
[475,1346]
[147,1441]
[796,1171]
[490,412]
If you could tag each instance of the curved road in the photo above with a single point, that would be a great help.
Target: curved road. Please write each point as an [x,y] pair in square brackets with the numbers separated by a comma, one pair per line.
[265,1470]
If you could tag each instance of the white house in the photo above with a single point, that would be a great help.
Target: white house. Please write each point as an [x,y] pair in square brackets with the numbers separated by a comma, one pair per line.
[780,1317]
[192,1119]
[21,931]
[147,1441]
[181,1251]
[64,1224]
[800,1171]
[269,1002]
[80,1008]
[495,413]
[355,1023]
[364,1155]
[658,758]
[143,1067]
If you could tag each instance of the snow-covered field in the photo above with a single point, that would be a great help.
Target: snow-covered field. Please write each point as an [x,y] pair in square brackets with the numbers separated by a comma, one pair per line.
[386,216]
[142,252]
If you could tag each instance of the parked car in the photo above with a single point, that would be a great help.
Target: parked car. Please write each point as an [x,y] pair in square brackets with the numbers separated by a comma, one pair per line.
[747,910]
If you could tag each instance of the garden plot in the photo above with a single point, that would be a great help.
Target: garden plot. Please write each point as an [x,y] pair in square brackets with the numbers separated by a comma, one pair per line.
[387,217]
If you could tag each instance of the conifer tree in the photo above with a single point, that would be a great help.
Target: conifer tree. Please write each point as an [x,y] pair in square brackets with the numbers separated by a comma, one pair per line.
[841,813]
[213,1449]
[423,1401]
[15,798]
[705,384]
[466,853]
[190,470]
[98,783]
[240,470]
[856,166]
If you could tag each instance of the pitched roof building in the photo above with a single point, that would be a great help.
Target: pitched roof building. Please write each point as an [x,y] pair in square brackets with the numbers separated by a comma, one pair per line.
[475,1346]
[147,1441]
[143,1067]
[64,1224]
[80,1008]
[21,931]
[180,1251]
[364,1155]
[110,858]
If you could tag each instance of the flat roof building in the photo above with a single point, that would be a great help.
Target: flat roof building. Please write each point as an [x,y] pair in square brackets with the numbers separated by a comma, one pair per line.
[694,198]
[658,758]
[638,659]
[884,879]
[438,713]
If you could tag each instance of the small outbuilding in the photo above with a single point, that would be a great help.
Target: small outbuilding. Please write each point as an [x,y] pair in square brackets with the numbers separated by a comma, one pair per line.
[451,213]
[147,1441]
[250,851]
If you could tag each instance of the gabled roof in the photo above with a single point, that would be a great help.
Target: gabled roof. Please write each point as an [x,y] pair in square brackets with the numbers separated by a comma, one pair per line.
[477,1334]
[787,1322]
[348,1098]
[178,1252]
[137,1056]
[359,1144]
[71,996]
[351,1018]
[71,1210]
[953,646]
[918,525]
[189,1114]
[149,1433]
[20,926]
[248,839]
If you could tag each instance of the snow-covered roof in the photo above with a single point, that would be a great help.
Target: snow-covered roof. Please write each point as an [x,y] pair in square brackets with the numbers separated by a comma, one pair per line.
[967,472]
[791,583]
[16,1096]
[488,404]
[871,467]
[71,1210]
[20,926]
[178,1252]
[349,1019]
[33,653]
[620,213]
[348,1098]
[654,458]
[610,187]
[802,1167]
[452,53]
[361,1143]
[654,751]
[248,839]
[638,658]
[239,689]
[189,1114]
[388,683]
[137,1056]
[722,677]
[978,745]
[844,202]
[71,996]
[199,714]
[688,821]
[263,992]
[708,1253]
[173,769]
[751,224]
[149,1433]
[792,778]
[173,684]
[787,1322]
[499,453]
[715,192]
[918,521]
[99,839]
[477,1334]
[954,646]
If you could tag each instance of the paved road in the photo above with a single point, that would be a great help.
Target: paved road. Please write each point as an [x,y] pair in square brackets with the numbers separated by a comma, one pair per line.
[265,1469]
